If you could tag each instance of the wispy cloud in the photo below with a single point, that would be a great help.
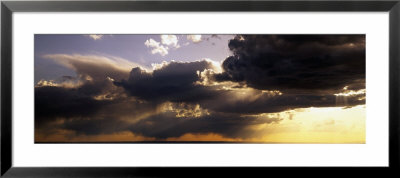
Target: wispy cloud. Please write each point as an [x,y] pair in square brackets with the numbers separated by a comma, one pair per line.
[96,67]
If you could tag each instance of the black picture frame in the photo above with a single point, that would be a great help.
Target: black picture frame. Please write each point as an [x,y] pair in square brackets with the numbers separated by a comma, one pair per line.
[8,7]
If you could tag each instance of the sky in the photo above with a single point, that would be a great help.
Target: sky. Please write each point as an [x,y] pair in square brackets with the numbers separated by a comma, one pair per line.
[127,47]
[200,88]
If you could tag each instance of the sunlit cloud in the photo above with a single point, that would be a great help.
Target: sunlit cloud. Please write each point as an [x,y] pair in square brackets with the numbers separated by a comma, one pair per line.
[343,97]
[73,83]
[184,110]
[170,40]
[95,37]
[267,90]
[158,66]
[194,38]
[157,48]
[347,92]
[43,83]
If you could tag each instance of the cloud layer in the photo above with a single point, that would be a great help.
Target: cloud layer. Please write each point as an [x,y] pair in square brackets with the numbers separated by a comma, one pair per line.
[266,75]
[297,63]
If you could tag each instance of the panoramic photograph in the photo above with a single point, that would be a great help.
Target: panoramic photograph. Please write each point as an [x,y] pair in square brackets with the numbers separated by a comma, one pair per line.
[200,88]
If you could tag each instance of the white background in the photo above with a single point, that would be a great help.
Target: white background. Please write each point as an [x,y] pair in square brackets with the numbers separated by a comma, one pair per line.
[373,153]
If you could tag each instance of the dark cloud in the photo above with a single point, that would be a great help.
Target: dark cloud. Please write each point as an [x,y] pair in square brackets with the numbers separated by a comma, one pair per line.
[95,126]
[171,101]
[296,63]
[52,103]
[173,82]
[76,110]
[75,97]
[167,125]
[279,103]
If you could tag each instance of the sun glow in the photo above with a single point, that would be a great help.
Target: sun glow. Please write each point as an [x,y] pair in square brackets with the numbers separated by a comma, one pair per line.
[318,125]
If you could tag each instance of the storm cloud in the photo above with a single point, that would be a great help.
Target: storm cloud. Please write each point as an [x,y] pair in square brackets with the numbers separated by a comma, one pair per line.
[265,75]
[264,103]
[166,125]
[296,63]
[174,82]
[83,96]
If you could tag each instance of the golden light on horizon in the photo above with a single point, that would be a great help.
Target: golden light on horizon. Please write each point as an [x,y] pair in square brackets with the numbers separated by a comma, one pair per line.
[319,125]
[246,88]
[308,125]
